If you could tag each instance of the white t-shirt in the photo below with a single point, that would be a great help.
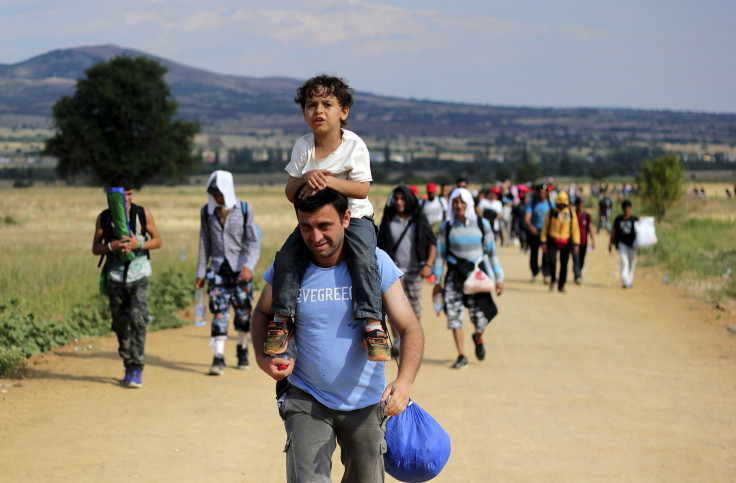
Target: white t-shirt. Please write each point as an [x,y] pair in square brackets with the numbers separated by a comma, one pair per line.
[434,210]
[349,161]
[494,205]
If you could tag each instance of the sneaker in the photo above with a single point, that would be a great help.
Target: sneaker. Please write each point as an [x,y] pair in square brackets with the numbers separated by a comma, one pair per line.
[562,290]
[460,363]
[551,286]
[480,349]
[218,366]
[534,278]
[128,375]
[376,343]
[578,280]
[136,377]
[546,279]
[277,336]
[243,357]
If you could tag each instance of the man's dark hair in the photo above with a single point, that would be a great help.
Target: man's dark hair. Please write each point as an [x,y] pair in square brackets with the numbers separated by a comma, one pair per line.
[325,85]
[122,180]
[625,203]
[327,196]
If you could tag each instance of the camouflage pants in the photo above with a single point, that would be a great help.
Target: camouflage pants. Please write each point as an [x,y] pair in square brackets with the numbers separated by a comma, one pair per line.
[129,309]
[223,292]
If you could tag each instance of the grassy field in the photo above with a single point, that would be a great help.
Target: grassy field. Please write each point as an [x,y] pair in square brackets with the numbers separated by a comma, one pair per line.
[47,235]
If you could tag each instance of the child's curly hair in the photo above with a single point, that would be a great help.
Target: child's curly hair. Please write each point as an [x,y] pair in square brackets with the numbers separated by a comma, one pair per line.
[325,85]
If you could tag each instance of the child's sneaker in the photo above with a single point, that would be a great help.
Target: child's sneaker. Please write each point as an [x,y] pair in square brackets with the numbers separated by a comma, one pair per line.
[218,366]
[242,352]
[136,377]
[376,343]
[277,336]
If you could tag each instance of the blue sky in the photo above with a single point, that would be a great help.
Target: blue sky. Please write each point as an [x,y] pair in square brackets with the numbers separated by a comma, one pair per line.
[660,54]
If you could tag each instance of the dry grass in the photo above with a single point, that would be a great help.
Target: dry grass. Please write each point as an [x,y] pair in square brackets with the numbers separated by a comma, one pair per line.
[47,244]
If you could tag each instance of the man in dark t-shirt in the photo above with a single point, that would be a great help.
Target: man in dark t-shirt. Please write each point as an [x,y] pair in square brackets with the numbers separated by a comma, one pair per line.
[623,235]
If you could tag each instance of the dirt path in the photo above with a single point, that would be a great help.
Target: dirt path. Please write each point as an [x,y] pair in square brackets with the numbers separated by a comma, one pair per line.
[598,384]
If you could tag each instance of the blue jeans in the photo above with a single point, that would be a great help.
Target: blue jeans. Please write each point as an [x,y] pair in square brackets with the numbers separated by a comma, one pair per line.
[314,430]
[360,244]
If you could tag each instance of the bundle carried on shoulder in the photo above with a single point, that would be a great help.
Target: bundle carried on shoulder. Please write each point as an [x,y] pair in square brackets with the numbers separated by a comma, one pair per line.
[417,448]
[120,220]
[645,233]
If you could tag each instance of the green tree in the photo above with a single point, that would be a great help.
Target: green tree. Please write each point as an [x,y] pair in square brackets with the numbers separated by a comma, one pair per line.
[122,117]
[528,171]
[660,182]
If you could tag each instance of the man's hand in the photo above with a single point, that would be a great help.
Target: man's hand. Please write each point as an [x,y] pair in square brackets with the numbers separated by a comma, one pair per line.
[544,247]
[275,366]
[499,288]
[124,245]
[245,275]
[426,271]
[533,230]
[437,289]
[576,249]
[397,395]
[200,283]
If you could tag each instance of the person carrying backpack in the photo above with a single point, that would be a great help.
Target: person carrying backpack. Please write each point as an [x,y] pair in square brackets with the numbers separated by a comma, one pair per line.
[229,248]
[560,234]
[463,240]
[127,283]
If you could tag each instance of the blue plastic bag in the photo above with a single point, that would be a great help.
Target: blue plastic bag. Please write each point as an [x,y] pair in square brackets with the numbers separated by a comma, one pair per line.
[417,446]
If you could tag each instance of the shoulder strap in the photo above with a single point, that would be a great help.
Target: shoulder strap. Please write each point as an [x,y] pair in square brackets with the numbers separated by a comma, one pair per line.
[401,237]
[244,209]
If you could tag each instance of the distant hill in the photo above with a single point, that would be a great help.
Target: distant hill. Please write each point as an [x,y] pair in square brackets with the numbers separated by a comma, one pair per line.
[236,104]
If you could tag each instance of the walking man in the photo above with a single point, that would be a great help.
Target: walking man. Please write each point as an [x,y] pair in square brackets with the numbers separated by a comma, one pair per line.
[536,211]
[407,237]
[585,224]
[623,236]
[560,234]
[129,282]
[229,247]
[333,394]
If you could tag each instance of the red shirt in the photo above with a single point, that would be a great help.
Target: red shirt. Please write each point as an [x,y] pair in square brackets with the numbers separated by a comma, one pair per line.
[583,223]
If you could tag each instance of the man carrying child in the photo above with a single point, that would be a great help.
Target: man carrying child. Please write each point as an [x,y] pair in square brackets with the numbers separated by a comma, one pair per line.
[330,157]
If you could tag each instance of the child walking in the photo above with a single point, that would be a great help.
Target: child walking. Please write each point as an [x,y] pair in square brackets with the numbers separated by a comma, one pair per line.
[333,157]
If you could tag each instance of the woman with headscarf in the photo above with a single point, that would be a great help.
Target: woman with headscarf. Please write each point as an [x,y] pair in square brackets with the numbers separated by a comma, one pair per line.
[229,242]
[463,240]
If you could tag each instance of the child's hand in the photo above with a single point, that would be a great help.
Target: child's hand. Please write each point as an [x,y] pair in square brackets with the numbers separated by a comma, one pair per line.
[315,179]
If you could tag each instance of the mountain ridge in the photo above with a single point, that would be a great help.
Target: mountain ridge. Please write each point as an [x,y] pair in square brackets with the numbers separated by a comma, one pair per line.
[230,103]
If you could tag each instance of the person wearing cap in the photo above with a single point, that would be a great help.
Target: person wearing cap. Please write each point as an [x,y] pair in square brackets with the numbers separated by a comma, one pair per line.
[229,248]
[534,216]
[584,222]
[560,234]
[434,207]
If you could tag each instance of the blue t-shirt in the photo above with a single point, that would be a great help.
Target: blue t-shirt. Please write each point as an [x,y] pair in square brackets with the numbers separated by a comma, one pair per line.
[331,363]
[539,210]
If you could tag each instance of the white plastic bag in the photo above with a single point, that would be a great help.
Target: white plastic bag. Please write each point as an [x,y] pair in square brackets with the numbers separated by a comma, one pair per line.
[478,281]
[645,234]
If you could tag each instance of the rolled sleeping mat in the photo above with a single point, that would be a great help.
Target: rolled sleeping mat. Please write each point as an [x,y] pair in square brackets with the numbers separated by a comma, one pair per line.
[119,216]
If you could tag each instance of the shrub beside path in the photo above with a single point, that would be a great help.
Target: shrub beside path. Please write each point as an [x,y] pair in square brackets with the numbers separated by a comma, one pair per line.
[599,384]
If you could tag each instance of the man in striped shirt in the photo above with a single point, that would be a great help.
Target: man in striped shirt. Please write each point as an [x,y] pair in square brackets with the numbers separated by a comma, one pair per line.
[463,240]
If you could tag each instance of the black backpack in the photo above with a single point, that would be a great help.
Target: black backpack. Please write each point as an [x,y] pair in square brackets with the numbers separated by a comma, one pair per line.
[137,212]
